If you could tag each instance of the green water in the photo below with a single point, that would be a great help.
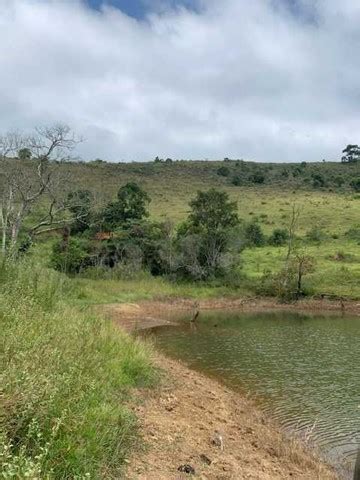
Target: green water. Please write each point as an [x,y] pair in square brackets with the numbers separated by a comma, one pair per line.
[304,370]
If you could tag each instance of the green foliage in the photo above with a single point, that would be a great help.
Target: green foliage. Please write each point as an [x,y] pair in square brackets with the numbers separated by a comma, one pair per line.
[351,154]
[223,171]
[131,205]
[65,380]
[80,205]
[316,235]
[318,180]
[24,154]
[354,233]
[212,210]
[71,256]
[279,237]
[257,177]
[254,235]
[355,184]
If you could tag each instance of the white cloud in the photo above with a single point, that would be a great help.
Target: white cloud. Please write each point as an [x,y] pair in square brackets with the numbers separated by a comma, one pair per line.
[240,79]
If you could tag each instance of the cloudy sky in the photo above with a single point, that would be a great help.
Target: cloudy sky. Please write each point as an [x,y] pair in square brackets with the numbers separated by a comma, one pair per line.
[267,80]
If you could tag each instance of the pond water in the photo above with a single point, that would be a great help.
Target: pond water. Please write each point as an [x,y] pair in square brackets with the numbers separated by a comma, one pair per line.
[304,370]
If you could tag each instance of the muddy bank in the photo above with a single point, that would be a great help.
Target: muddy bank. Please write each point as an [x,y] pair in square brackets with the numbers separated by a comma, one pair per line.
[178,425]
[148,314]
[178,421]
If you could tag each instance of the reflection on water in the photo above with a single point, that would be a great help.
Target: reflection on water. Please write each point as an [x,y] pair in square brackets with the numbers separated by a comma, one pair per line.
[304,369]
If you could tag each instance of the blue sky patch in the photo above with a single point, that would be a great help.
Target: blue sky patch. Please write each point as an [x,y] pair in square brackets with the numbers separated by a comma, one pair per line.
[139,8]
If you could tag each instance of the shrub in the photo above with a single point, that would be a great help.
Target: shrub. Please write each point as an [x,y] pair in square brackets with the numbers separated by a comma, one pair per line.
[279,237]
[254,235]
[257,177]
[316,235]
[355,184]
[354,233]
[72,256]
[223,171]
[318,180]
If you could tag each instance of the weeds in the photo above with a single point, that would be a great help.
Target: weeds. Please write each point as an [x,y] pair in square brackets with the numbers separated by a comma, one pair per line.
[66,378]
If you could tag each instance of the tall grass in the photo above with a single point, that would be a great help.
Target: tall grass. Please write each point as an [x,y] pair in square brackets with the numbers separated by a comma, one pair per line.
[66,377]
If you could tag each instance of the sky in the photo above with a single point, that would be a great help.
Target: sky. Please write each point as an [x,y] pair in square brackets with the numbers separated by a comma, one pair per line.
[263,80]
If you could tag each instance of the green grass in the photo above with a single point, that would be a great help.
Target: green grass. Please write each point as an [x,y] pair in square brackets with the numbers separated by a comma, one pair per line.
[172,186]
[331,276]
[66,380]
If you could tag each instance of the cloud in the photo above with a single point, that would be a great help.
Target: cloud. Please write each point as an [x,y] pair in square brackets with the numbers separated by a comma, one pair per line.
[257,80]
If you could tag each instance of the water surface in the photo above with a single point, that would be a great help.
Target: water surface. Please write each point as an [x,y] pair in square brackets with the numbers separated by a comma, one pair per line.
[304,370]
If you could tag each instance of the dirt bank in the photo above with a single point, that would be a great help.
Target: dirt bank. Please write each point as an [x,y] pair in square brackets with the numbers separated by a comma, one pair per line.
[179,420]
[178,424]
[148,314]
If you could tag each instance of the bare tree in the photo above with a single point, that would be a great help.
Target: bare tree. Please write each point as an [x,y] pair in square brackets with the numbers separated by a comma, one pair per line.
[295,215]
[25,183]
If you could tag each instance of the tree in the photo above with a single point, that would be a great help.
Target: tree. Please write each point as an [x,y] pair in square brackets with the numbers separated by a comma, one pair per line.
[79,204]
[294,220]
[203,242]
[131,205]
[213,211]
[24,185]
[351,154]
[24,154]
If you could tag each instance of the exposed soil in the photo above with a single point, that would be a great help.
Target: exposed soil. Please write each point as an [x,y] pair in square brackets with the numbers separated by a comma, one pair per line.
[179,420]
[148,314]
[178,424]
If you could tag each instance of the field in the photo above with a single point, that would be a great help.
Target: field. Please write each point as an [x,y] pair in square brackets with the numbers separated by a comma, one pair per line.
[331,210]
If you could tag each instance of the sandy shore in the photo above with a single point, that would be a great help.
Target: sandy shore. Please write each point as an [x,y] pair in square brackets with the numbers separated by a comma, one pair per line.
[178,421]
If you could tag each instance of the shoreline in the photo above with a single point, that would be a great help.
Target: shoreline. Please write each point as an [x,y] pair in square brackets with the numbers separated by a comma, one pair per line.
[154,313]
[178,419]
[178,424]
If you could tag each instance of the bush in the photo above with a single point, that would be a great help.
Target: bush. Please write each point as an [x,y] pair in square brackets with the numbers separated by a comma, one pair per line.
[254,235]
[257,177]
[354,233]
[71,256]
[223,171]
[316,235]
[279,237]
[355,184]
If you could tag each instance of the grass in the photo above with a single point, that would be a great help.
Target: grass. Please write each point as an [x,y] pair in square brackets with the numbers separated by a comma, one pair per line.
[66,380]
[171,187]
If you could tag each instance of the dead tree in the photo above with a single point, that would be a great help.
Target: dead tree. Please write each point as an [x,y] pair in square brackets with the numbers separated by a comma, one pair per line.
[26,182]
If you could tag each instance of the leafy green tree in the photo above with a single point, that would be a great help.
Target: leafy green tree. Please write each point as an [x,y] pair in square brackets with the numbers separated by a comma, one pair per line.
[351,154]
[212,211]
[130,206]
[80,205]
[203,241]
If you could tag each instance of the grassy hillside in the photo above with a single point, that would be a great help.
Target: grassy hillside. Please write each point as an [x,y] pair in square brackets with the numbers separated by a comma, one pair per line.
[331,209]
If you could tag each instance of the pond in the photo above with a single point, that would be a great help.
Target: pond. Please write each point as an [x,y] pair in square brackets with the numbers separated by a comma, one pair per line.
[303,370]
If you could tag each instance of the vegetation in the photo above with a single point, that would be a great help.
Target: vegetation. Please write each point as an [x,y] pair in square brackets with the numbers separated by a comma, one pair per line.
[75,234]
[66,376]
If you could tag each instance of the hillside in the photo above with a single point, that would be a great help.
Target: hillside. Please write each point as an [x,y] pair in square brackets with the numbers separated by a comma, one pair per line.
[329,211]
